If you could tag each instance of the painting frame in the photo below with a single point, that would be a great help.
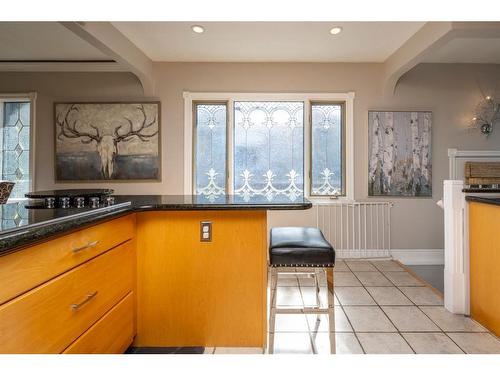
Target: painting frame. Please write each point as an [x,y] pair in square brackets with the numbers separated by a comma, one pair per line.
[158,178]
[424,132]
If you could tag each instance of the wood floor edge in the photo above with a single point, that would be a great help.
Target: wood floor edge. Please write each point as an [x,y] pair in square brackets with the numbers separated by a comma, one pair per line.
[411,272]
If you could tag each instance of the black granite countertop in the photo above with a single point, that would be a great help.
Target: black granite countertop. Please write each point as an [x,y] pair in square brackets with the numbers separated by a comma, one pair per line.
[484,199]
[20,226]
[480,190]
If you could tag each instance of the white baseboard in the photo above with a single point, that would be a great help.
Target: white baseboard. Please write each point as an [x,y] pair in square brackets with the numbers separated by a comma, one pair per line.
[410,257]
[413,257]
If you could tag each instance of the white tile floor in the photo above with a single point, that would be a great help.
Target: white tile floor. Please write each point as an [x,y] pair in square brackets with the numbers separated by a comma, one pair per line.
[380,308]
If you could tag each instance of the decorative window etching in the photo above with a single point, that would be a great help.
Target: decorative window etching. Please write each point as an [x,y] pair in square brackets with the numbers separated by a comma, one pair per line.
[13,215]
[210,140]
[15,146]
[326,149]
[269,149]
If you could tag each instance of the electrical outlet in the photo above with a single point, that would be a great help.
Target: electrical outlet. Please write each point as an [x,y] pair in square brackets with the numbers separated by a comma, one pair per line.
[206,231]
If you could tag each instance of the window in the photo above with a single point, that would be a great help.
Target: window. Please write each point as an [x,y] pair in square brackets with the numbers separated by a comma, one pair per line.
[15,144]
[268,149]
[327,151]
[210,141]
[269,145]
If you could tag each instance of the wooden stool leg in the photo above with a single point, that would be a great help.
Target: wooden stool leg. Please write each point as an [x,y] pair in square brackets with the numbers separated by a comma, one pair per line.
[331,308]
[272,315]
[316,283]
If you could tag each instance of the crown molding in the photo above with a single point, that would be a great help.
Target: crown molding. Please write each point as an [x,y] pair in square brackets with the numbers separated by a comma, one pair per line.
[65,66]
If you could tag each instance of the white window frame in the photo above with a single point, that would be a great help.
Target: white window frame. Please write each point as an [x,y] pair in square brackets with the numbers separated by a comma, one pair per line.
[23,97]
[307,98]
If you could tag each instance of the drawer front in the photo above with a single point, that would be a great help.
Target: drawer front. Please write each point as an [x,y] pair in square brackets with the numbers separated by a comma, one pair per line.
[49,318]
[112,334]
[31,267]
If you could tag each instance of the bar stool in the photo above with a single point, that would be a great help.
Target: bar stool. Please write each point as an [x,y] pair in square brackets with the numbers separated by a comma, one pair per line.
[301,251]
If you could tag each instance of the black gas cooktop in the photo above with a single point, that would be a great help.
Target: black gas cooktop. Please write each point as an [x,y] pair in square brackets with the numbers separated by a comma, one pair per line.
[71,193]
[70,198]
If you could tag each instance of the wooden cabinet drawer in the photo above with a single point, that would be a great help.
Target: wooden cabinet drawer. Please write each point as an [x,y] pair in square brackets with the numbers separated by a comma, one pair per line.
[49,318]
[30,267]
[112,334]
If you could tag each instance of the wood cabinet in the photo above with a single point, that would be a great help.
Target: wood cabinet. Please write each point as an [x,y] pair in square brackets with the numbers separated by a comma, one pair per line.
[55,312]
[112,334]
[32,266]
[91,291]
[193,293]
[484,250]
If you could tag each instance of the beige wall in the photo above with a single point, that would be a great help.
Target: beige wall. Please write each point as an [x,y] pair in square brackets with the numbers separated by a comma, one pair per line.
[448,90]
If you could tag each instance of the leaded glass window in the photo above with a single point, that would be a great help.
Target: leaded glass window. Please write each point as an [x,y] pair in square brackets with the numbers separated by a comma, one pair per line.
[326,149]
[15,146]
[210,154]
[13,215]
[251,147]
[269,149]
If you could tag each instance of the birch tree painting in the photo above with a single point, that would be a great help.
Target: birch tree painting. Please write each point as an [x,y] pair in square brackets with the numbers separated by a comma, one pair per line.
[400,162]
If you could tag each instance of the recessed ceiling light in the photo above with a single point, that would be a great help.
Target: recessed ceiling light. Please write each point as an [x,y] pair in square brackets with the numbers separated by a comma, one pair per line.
[335,30]
[197,29]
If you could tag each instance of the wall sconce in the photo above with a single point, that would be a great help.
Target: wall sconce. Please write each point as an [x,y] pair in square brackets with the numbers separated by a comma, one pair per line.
[487,113]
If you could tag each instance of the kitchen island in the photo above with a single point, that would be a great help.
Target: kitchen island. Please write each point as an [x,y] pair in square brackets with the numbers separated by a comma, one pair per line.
[143,272]
[484,260]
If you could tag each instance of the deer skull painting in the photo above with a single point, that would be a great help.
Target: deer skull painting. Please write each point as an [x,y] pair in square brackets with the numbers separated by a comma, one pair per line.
[106,134]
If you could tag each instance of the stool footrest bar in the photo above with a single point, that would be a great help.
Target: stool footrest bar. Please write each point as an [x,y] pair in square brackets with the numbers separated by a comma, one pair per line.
[306,310]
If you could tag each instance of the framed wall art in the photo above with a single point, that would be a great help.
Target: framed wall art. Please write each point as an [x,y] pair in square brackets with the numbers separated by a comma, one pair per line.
[107,141]
[400,157]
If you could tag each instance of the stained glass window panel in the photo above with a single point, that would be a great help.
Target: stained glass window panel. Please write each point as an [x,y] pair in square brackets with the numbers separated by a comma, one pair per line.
[269,149]
[15,146]
[326,149]
[210,139]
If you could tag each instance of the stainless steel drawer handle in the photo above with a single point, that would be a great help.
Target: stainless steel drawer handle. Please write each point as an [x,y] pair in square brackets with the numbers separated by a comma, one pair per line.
[90,244]
[88,298]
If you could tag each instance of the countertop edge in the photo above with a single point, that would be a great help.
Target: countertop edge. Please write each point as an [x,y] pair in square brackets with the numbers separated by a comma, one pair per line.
[486,200]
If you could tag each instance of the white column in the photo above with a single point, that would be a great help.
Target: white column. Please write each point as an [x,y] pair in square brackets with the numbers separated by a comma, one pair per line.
[456,278]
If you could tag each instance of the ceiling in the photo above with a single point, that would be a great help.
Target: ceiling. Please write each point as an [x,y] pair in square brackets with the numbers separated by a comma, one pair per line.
[43,41]
[242,42]
[467,50]
[269,41]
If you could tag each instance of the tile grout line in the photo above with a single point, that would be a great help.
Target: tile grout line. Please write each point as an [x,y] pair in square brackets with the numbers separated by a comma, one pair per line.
[394,325]
[406,295]
[350,324]
[312,345]
[428,317]
[423,312]
[443,331]
[345,313]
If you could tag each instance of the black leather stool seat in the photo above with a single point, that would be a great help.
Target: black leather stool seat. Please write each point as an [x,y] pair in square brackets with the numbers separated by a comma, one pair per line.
[300,247]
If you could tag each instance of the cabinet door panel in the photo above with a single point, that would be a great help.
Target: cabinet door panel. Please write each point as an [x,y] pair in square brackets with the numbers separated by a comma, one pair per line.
[193,293]
[484,249]
[112,334]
